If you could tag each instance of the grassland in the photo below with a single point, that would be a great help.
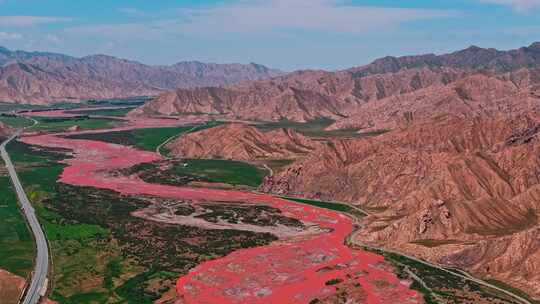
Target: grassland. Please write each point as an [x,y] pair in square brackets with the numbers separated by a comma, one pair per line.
[121,112]
[62,124]
[329,205]
[315,128]
[135,101]
[16,244]
[222,171]
[16,122]
[144,139]
[183,172]
[8,107]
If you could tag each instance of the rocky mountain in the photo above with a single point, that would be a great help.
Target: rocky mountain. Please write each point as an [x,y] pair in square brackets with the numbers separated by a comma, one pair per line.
[39,77]
[472,58]
[455,180]
[242,142]
[307,95]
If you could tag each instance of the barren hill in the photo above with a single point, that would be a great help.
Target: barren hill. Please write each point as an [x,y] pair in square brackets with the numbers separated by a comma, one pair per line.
[242,142]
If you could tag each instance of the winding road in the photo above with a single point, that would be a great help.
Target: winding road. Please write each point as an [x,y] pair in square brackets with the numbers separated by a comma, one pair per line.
[38,285]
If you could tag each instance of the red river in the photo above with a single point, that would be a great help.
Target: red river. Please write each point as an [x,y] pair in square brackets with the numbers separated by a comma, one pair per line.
[294,270]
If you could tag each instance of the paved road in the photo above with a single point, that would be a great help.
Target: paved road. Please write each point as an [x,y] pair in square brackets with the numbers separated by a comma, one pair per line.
[158,149]
[38,283]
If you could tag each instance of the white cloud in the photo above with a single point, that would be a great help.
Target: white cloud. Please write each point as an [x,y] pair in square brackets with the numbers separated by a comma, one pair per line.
[10,36]
[260,17]
[27,21]
[518,5]
[316,15]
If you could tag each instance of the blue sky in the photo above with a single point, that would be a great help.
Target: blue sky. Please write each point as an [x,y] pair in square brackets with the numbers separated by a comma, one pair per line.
[286,34]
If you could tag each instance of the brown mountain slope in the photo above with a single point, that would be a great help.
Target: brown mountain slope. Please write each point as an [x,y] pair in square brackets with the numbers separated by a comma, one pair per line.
[300,96]
[46,77]
[307,95]
[23,83]
[456,181]
[511,94]
[242,142]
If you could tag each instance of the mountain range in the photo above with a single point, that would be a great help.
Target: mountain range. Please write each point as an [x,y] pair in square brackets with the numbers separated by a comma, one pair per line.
[39,77]
[453,175]
[307,95]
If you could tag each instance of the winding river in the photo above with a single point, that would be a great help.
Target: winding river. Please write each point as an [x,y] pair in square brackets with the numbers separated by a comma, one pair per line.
[291,270]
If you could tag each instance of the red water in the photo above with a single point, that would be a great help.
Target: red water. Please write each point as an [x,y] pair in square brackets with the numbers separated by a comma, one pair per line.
[286,271]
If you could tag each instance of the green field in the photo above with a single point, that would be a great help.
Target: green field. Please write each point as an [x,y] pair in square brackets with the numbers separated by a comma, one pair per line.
[328,205]
[181,172]
[16,121]
[7,107]
[62,124]
[105,112]
[144,139]
[135,101]
[16,243]
[150,139]
[314,128]
[222,171]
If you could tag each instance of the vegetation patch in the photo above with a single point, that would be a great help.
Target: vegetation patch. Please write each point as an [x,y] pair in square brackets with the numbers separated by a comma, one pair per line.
[15,122]
[16,243]
[121,112]
[443,287]
[103,254]
[50,124]
[328,205]
[144,139]
[314,128]
[184,172]
[435,243]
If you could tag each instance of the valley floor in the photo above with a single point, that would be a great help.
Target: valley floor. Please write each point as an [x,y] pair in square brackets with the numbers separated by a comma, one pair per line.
[128,226]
